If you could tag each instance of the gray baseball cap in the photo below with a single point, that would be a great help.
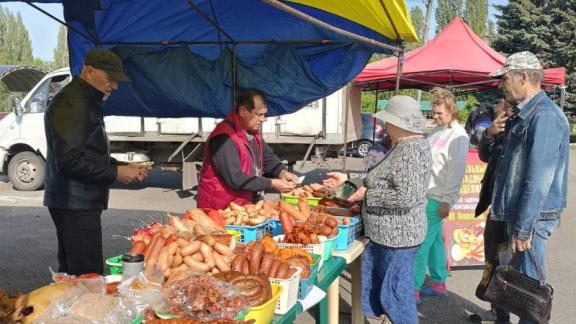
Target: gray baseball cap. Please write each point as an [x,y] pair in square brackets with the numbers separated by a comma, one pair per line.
[403,112]
[106,60]
[519,61]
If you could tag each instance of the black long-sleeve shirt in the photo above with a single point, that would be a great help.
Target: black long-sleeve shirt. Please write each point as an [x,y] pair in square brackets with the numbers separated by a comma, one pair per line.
[227,162]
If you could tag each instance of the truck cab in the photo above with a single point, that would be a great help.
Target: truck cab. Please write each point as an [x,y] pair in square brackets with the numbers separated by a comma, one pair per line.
[22,137]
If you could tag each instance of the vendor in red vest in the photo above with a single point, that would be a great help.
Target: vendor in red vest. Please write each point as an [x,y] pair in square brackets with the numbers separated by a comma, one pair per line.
[238,165]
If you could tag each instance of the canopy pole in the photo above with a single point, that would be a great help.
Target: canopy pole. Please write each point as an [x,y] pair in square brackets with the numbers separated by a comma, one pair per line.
[398,37]
[374,119]
[562,96]
[207,18]
[292,11]
[399,71]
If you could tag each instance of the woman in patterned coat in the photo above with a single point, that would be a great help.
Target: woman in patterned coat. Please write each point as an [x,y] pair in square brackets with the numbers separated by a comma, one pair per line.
[394,200]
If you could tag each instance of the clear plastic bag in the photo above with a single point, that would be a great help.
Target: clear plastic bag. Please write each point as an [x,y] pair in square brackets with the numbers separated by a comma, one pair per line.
[206,298]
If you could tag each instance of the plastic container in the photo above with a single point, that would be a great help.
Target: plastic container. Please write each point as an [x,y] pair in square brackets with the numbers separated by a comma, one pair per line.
[346,234]
[264,313]
[235,234]
[289,295]
[115,264]
[275,227]
[293,200]
[250,233]
[310,248]
[305,285]
[329,246]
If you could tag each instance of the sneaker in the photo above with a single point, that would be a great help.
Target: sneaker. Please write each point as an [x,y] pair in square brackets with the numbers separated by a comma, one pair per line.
[435,289]
[417,297]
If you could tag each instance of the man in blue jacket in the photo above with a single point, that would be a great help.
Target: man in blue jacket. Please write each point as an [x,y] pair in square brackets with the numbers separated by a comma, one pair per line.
[531,180]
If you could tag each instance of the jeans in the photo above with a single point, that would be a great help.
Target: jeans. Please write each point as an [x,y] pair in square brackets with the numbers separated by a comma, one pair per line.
[79,240]
[524,263]
[387,284]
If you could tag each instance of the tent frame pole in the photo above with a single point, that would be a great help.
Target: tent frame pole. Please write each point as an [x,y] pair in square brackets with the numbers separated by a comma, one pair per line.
[295,12]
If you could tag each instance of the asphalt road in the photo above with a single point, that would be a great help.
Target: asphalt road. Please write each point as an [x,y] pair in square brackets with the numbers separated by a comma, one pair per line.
[28,245]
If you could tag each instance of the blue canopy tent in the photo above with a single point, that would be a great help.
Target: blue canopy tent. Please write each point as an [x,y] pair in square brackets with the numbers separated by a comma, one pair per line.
[187,57]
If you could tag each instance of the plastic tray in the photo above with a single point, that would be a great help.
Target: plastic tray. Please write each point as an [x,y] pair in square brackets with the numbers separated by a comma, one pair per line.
[115,265]
[329,246]
[346,234]
[265,312]
[306,284]
[275,227]
[289,295]
[250,233]
[293,200]
[310,248]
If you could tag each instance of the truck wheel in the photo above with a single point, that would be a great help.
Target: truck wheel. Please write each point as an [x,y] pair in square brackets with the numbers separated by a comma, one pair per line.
[26,171]
[362,148]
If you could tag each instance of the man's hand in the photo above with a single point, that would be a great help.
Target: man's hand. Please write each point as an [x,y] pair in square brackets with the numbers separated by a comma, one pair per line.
[127,174]
[335,179]
[288,176]
[498,124]
[520,245]
[282,185]
[443,210]
[358,195]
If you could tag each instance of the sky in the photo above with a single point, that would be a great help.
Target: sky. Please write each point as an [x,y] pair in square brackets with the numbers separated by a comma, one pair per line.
[43,30]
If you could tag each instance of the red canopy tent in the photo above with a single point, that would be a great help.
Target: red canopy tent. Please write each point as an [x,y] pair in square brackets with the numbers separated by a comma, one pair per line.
[456,58]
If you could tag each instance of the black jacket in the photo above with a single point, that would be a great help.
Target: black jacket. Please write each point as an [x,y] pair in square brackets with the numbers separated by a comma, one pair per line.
[79,170]
[489,150]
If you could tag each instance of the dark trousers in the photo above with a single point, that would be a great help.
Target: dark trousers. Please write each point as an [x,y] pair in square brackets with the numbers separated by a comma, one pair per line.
[79,240]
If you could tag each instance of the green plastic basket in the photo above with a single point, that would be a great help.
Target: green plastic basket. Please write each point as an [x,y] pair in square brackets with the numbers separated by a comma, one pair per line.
[293,200]
[115,265]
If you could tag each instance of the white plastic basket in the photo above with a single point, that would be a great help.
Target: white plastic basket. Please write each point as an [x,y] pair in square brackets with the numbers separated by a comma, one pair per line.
[289,295]
[310,248]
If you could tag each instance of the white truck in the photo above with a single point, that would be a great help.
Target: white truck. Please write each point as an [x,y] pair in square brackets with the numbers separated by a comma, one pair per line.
[175,143]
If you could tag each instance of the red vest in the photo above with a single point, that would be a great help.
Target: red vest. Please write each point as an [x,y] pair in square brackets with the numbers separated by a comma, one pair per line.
[212,191]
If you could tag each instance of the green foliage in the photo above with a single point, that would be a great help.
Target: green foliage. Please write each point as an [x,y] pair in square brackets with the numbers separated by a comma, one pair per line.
[417,16]
[446,11]
[471,104]
[61,55]
[547,29]
[15,45]
[572,138]
[476,15]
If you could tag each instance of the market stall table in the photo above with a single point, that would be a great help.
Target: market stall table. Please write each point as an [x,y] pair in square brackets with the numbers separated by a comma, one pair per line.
[327,279]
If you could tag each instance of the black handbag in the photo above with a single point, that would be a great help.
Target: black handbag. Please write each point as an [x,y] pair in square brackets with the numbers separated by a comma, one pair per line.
[519,294]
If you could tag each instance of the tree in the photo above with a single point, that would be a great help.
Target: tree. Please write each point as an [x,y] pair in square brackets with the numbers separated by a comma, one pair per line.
[61,55]
[476,15]
[446,11]
[15,44]
[417,16]
[545,28]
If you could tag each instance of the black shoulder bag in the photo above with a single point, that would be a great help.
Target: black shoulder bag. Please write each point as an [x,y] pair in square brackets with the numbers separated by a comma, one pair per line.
[519,294]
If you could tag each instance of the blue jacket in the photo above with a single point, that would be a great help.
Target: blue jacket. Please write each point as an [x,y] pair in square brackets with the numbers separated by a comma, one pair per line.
[531,179]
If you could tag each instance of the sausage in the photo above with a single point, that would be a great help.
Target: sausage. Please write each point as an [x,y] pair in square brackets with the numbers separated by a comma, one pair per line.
[245,267]
[334,232]
[172,247]
[303,207]
[255,260]
[283,271]
[155,250]
[196,265]
[298,216]
[223,249]
[177,260]
[209,239]
[150,245]
[237,262]
[291,272]
[257,220]
[331,222]
[266,263]
[314,239]
[198,256]
[207,254]
[346,221]
[274,268]
[191,248]
[287,222]
[182,242]
[163,259]
[221,263]
[138,247]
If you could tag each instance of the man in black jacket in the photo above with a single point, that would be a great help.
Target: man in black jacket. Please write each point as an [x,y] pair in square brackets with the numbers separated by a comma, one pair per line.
[79,169]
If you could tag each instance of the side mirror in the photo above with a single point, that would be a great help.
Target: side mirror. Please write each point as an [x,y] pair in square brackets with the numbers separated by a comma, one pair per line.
[16,106]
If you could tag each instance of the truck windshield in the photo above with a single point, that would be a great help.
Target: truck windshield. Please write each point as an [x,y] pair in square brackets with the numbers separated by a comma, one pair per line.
[44,93]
